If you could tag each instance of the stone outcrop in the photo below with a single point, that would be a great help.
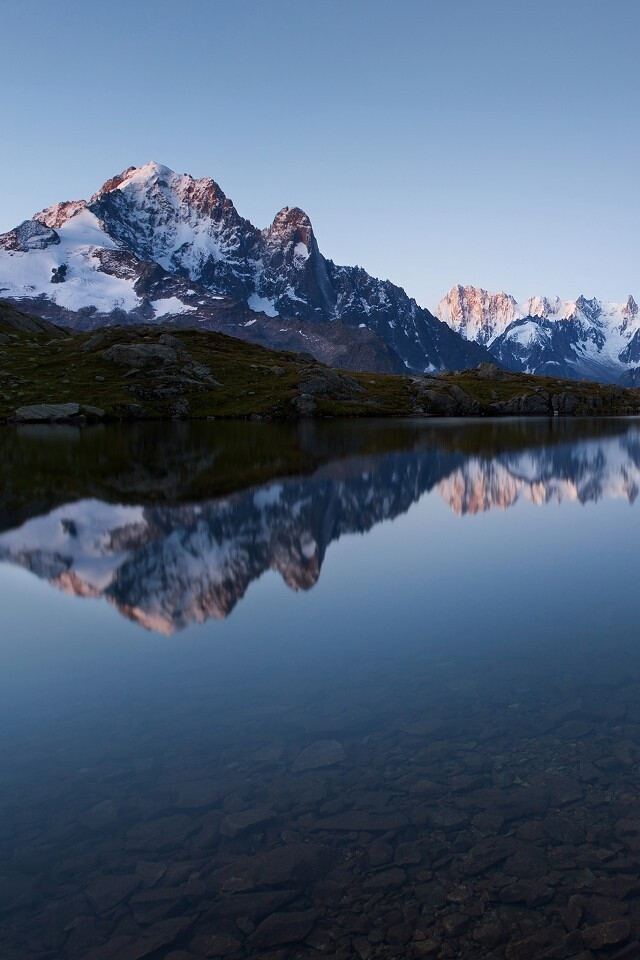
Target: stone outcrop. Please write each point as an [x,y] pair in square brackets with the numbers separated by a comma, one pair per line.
[57,413]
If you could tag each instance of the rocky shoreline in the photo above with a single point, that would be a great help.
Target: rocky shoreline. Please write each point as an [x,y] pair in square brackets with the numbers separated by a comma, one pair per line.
[136,373]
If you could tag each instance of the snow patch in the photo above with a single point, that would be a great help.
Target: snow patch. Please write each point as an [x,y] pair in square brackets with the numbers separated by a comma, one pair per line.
[170,305]
[81,237]
[262,305]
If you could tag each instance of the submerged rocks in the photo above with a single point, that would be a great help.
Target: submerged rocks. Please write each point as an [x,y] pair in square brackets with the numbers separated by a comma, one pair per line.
[99,816]
[292,861]
[362,820]
[160,834]
[284,928]
[394,877]
[606,934]
[236,823]
[322,753]
[443,823]
[111,890]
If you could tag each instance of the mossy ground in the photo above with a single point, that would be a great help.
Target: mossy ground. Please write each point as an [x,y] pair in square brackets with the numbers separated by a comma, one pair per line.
[35,368]
[251,381]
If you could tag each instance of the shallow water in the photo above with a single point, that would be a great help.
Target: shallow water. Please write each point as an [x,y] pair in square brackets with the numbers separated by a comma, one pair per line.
[355,690]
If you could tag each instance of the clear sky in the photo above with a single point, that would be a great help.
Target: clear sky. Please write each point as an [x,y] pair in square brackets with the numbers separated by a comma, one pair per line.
[462,141]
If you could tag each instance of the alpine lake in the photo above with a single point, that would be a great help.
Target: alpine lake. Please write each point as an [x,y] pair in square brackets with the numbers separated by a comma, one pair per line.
[352,689]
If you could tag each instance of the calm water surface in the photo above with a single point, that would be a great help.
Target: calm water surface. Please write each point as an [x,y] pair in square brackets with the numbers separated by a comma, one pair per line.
[350,690]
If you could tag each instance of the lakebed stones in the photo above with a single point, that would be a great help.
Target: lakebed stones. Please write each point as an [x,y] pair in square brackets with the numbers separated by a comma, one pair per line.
[606,934]
[278,928]
[99,816]
[361,821]
[197,794]
[322,753]
[236,823]
[529,861]
[394,877]
[537,945]
[111,890]
[162,834]
[299,862]
[255,905]
[215,945]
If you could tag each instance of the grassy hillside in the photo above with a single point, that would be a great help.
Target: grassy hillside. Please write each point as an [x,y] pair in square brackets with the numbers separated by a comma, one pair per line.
[144,372]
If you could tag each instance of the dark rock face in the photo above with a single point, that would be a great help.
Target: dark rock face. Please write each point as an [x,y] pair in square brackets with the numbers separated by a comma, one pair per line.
[631,353]
[29,235]
[14,319]
[631,378]
[59,274]
[553,350]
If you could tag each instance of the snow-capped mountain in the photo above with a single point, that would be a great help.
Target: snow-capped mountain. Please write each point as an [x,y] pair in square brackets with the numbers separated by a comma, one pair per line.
[581,338]
[153,245]
[167,566]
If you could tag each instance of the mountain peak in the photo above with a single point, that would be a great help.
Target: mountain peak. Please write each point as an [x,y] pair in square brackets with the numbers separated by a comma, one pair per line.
[476,313]
[138,174]
[292,226]
[590,308]
[540,306]
[146,174]
[289,219]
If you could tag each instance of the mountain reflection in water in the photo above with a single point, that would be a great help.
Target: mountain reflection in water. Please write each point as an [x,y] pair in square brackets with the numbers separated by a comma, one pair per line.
[431,750]
[123,513]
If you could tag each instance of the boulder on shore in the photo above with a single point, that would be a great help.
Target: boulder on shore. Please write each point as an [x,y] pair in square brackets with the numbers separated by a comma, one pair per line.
[56,413]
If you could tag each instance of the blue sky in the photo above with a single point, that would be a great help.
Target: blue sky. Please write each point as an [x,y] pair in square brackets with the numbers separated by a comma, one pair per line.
[493,143]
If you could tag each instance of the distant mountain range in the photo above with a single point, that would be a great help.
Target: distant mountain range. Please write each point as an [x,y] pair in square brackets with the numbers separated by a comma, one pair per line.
[155,246]
[584,339]
[167,566]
